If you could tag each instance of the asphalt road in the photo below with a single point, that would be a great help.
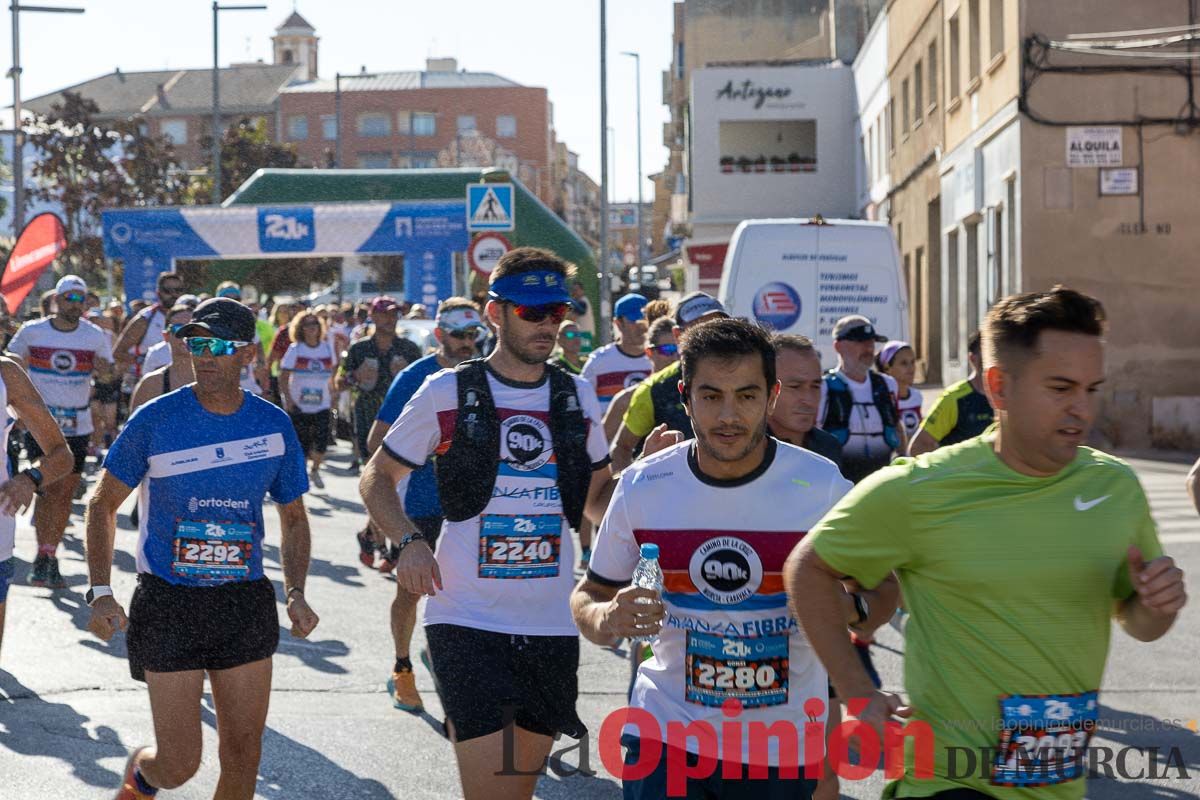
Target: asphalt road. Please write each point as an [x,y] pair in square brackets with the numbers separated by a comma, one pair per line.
[70,714]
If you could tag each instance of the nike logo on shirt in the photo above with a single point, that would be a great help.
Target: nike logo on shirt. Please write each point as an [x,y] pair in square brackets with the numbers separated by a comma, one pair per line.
[1082,506]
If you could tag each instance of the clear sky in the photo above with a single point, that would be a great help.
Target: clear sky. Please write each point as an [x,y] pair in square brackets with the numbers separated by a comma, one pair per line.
[550,43]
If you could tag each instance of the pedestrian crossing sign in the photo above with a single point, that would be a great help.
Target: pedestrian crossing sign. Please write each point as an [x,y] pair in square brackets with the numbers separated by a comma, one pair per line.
[490,207]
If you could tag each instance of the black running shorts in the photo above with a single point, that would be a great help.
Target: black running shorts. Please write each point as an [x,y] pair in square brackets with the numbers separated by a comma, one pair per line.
[180,628]
[77,444]
[312,430]
[487,680]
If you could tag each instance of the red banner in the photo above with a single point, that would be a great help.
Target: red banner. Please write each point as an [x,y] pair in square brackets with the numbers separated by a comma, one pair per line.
[37,246]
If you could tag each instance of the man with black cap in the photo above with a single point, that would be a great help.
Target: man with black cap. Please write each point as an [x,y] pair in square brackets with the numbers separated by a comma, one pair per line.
[858,405]
[520,459]
[204,458]
[656,401]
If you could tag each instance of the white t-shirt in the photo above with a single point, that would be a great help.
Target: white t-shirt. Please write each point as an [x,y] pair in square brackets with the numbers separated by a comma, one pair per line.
[312,369]
[910,412]
[722,547]
[523,585]
[156,320]
[610,371]
[156,357]
[61,364]
[866,425]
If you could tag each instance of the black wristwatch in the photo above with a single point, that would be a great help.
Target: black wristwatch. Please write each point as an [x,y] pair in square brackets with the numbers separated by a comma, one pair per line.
[34,474]
[408,539]
[860,608]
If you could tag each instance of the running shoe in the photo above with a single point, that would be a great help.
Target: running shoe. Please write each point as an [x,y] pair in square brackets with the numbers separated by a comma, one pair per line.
[41,570]
[54,578]
[129,788]
[402,686]
[315,478]
[390,556]
[366,549]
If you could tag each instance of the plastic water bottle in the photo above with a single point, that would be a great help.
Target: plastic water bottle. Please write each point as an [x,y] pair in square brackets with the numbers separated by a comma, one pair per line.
[648,575]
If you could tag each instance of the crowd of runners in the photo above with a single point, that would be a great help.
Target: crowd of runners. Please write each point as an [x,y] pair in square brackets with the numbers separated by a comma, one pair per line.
[797,501]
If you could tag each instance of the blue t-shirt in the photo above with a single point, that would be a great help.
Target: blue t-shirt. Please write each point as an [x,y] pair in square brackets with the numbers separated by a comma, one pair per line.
[201,480]
[421,499]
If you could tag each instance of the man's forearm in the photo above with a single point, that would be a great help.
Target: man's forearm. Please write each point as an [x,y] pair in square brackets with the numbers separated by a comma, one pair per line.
[816,600]
[622,456]
[1141,623]
[100,526]
[295,550]
[598,505]
[588,610]
[383,503]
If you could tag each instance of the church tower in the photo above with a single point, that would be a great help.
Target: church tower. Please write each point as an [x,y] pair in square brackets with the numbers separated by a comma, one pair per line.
[295,42]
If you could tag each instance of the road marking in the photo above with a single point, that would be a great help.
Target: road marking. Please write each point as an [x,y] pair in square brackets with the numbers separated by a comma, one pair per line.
[1179,538]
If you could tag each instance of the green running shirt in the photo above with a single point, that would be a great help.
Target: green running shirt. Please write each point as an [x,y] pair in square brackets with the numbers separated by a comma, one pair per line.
[1010,581]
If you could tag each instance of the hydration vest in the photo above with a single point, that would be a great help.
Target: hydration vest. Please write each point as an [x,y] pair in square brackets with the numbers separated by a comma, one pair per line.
[839,403]
[466,473]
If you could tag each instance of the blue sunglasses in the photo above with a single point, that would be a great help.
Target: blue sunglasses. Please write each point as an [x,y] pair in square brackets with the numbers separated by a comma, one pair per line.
[198,345]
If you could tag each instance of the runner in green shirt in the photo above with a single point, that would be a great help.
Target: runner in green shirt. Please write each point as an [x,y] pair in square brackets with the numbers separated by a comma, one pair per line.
[1013,551]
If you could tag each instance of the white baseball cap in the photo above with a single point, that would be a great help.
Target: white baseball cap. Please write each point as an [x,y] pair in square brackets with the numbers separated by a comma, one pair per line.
[70,283]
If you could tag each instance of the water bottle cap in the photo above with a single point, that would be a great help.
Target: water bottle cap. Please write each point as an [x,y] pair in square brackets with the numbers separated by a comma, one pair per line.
[649,551]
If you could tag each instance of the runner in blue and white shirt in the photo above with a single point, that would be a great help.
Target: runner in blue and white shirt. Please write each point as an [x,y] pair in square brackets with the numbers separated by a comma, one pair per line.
[203,458]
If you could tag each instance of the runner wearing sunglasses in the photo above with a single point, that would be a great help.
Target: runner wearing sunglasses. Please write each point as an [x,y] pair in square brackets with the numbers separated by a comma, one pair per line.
[204,458]
[144,330]
[662,351]
[458,331]
[570,347]
[615,367]
[63,353]
[520,457]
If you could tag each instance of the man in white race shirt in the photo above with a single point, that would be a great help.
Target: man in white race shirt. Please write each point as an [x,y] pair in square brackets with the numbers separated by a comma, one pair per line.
[617,366]
[520,455]
[144,330]
[742,501]
[63,353]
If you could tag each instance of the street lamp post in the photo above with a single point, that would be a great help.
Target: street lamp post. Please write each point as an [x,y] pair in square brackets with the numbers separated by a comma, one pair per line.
[641,246]
[216,100]
[337,111]
[18,156]
[605,280]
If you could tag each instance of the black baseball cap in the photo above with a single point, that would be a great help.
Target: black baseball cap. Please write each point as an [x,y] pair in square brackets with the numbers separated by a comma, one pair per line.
[221,318]
[856,328]
[695,306]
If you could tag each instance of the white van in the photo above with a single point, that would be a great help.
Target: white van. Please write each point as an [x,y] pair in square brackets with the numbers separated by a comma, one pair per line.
[803,275]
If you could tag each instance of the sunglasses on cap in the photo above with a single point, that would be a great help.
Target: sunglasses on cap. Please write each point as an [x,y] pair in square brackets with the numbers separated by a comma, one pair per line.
[198,345]
[556,312]
[669,349]
[73,297]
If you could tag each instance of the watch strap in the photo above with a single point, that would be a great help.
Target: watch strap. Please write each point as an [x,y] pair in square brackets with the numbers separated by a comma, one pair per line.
[94,593]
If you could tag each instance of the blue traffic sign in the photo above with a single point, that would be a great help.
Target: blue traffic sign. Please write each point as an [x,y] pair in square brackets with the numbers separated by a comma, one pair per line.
[490,207]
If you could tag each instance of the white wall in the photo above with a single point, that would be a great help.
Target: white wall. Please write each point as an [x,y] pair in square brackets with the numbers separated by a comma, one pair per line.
[822,93]
[872,178]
